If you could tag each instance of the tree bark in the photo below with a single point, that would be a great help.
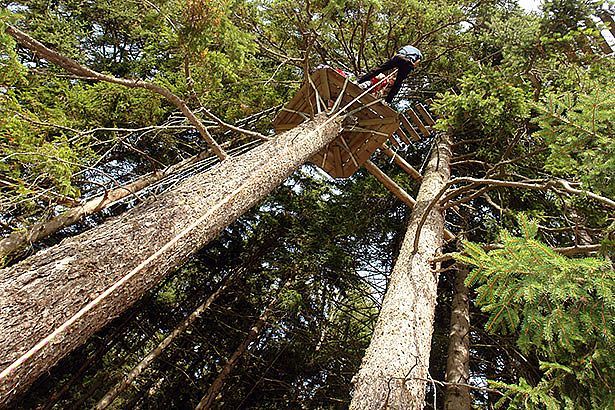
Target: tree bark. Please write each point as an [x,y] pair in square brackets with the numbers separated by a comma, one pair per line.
[21,238]
[395,366]
[457,397]
[53,301]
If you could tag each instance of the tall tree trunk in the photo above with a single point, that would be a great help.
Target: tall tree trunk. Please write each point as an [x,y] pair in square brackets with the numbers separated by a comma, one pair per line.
[157,351]
[394,369]
[40,230]
[53,301]
[457,397]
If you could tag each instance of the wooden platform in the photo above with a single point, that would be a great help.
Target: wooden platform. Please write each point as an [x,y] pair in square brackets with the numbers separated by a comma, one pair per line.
[367,128]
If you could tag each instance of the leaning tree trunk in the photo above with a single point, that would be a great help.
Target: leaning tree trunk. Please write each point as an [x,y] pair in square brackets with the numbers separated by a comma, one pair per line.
[53,301]
[394,369]
[22,238]
[457,395]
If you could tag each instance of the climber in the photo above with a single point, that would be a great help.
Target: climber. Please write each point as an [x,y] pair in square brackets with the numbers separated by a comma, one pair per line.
[406,60]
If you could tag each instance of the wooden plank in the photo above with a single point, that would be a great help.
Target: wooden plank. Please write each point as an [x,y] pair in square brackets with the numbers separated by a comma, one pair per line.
[330,163]
[358,138]
[606,17]
[319,97]
[402,163]
[337,157]
[414,118]
[376,121]
[284,127]
[305,104]
[425,114]
[300,100]
[336,83]
[363,156]
[413,134]
[324,156]
[394,141]
[355,139]
[429,101]
[402,135]
[286,116]
[352,159]
[380,108]
[354,90]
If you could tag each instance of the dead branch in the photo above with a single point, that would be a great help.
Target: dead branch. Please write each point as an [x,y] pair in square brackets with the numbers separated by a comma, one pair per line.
[469,386]
[72,66]
[213,391]
[541,185]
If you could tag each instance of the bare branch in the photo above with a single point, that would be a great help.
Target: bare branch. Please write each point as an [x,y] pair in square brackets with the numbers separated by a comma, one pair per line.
[72,66]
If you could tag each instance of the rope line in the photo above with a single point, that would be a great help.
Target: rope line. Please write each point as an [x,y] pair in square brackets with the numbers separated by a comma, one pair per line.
[6,373]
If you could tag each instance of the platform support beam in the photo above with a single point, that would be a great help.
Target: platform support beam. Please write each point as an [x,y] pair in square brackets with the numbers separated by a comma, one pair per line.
[402,163]
[391,185]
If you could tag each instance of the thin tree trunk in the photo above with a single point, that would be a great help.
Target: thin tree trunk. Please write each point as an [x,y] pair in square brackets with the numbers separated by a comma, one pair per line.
[395,366]
[22,238]
[215,388]
[53,301]
[147,360]
[457,397]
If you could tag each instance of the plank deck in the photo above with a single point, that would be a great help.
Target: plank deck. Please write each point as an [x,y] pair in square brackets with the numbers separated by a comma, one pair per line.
[377,122]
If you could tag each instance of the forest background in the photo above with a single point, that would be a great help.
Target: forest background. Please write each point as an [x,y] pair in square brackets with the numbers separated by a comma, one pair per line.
[528,100]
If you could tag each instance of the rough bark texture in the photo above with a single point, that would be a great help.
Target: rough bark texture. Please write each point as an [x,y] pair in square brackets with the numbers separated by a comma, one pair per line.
[57,287]
[394,369]
[457,397]
[20,239]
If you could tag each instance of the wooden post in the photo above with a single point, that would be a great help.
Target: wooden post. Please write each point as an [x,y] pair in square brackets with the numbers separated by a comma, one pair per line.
[402,163]
[606,17]
[391,185]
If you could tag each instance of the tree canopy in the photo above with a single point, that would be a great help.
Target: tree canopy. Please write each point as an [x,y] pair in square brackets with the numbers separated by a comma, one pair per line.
[528,99]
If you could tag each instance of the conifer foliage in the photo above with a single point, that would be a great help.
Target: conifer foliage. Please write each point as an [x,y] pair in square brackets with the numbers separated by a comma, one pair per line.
[560,310]
[527,100]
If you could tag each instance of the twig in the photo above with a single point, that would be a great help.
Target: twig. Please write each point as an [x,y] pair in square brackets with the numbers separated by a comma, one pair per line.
[469,386]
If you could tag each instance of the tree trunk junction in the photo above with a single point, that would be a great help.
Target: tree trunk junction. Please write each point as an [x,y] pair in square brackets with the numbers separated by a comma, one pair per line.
[395,366]
[55,300]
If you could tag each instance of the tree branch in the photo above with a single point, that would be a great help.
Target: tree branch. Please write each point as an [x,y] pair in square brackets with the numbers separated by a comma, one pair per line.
[72,66]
